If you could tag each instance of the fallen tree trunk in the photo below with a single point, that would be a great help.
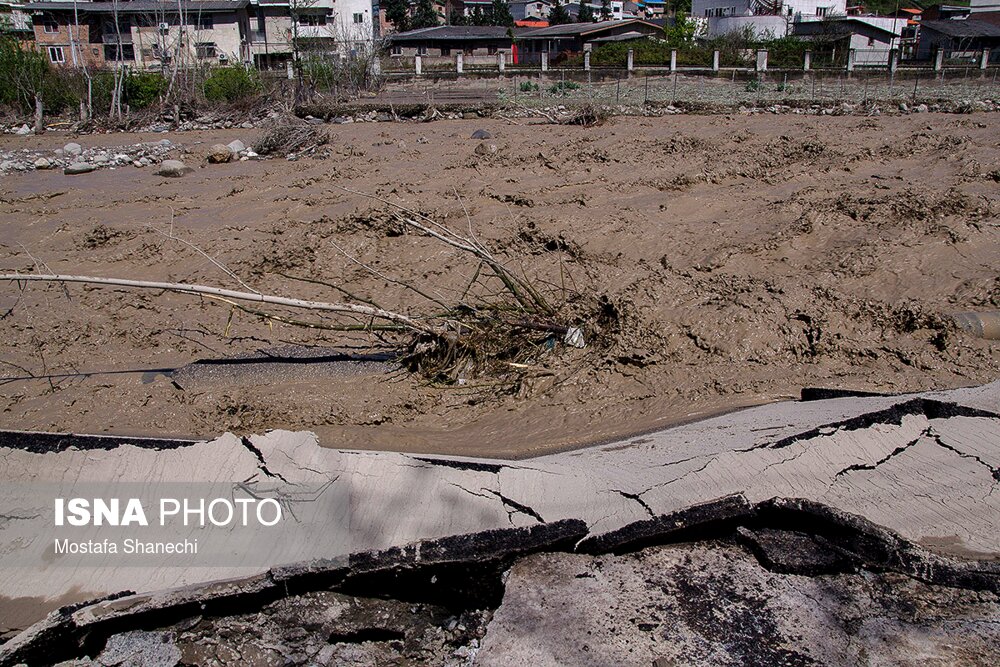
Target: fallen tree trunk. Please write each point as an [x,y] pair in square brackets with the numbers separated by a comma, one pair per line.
[348,308]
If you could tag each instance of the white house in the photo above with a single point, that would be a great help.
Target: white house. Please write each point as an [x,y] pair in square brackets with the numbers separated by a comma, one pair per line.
[763,16]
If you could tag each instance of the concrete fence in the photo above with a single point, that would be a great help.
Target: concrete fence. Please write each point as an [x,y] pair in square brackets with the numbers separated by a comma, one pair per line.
[855,59]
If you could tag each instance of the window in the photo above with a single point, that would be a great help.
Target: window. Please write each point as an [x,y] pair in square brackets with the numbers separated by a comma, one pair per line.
[116,53]
[312,19]
[445,51]
[56,54]
[359,18]
[822,11]
[397,50]
[205,50]
[871,42]
[50,26]
[491,50]
[421,50]
[203,22]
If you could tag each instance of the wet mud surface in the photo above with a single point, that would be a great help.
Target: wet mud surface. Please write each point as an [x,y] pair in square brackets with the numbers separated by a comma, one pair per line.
[717,262]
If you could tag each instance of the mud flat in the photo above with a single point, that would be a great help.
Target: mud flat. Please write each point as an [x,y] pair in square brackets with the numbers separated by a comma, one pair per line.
[724,261]
[878,500]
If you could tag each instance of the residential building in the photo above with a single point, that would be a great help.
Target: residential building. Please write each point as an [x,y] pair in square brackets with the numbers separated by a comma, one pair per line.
[985,10]
[477,44]
[870,42]
[961,40]
[763,16]
[573,38]
[151,34]
[527,10]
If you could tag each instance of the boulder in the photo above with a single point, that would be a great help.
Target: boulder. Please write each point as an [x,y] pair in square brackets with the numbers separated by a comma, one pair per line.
[42,163]
[72,149]
[173,169]
[237,146]
[23,130]
[481,134]
[220,154]
[486,149]
[79,168]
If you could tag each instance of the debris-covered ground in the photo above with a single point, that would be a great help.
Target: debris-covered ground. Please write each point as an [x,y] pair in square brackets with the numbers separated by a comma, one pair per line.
[706,603]
[711,261]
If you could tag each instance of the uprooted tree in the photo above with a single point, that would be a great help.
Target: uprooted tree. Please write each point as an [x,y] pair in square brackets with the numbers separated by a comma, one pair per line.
[500,322]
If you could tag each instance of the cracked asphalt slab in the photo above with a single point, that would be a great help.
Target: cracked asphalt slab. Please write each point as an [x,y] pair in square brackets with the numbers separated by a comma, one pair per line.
[923,467]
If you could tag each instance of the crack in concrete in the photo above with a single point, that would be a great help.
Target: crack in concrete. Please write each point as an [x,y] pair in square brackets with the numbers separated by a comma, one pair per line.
[637,497]
[262,464]
[929,408]
[951,448]
[894,453]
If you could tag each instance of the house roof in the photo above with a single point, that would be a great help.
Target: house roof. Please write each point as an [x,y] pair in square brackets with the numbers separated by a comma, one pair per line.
[836,27]
[455,33]
[624,37]
[966,28]
[581,29]
[140,6]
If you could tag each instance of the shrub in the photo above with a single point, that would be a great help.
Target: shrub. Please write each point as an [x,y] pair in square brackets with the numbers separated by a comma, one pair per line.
[143,88]
[528,86]
[228,84]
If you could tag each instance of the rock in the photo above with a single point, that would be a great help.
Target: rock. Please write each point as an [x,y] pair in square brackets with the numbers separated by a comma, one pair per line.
[42,163]
[138,164]
[79,168]
[486,149]
[220,154]
[145,161]
[247,125]
[250,153]
[383,118]
[150,649]
[8,165]
[470,115]
[481,134]
[237,146]
[920,108]
[72,149]
[101,158]
[23,130]
[166,143]
[173,169]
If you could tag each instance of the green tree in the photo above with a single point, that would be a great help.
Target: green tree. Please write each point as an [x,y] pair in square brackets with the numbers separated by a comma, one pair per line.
[397,12]
[605,10]
[681,32]
[458,18]
[586,14]
[425,16]
[500,13]
[558,15]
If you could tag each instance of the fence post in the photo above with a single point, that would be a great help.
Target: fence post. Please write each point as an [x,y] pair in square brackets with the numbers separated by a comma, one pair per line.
[459,62]
[851,55]
[984,59]
[893,60]
[715,60]
[500,61]
[762,60]
[545,61]
[586,61]
[939,60]
[807,58]
[291,70]
[631,56]
[417,65]
[673,60]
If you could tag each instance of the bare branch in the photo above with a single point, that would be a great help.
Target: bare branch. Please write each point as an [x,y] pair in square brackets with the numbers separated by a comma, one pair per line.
[183,288]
